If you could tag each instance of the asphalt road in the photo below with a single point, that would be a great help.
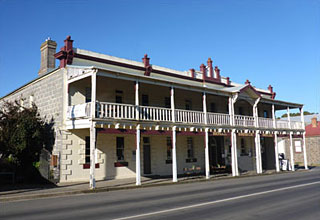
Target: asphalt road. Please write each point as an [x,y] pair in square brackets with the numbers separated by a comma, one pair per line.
[286,196]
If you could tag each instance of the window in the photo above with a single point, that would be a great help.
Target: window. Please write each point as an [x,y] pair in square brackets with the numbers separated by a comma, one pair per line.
[298,147]
[190,147]
[119,95]
[243,148]
[120,148]
[167,102]
[265,114]
[188,104]
[145,100]
[213,107]
[87,150]
[169,149]
[31,100]
[240,110]
[88,94]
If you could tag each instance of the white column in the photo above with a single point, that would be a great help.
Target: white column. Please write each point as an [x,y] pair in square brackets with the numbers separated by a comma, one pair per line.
[291,152]
[138,168]
[204,104]
[174,155]
[206,138]
[276,151]
[230,111]
[137,99]
[207,153]
[234,155]
[291,140]
[305,151]
[172,104]
[92,183]
[304,140]
[258,152]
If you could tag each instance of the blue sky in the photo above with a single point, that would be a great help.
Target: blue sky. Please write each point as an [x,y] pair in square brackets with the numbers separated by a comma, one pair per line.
[266,41]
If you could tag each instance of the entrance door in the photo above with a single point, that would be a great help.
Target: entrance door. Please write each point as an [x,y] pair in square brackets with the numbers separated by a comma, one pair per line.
[216,149]
[213,154]
[146,156]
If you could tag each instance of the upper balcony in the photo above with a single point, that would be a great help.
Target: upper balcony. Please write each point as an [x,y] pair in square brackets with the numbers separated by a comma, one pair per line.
[129,112]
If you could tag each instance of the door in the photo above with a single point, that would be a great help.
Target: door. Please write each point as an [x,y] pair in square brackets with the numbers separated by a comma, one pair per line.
[146,156]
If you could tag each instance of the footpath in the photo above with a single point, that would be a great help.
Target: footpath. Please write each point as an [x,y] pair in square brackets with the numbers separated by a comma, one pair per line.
[24,192]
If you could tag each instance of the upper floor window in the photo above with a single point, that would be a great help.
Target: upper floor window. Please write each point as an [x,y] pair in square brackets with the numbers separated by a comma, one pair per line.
[88,94]
[213,107]
[31,100]
[145,100]
[188,104]
[119,95]
[240,110]
[167,102]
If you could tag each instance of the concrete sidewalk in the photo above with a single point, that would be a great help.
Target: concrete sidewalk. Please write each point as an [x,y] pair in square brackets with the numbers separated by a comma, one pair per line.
[23,192]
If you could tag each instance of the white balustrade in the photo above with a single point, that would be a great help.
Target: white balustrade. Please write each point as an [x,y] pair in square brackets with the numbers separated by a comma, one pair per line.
[79,111]
[218,119]
[148,113]
[116,110]
[265,122]
[296,125]
[282,124]
[189,117]
[244,121]
[155,113]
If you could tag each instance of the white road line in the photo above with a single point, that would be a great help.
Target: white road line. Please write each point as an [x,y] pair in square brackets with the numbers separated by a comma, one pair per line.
[217,201]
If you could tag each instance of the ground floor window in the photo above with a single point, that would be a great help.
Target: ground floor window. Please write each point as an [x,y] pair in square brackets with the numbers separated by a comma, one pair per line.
[120,148]
[190,147]
[87,150]
[169,150]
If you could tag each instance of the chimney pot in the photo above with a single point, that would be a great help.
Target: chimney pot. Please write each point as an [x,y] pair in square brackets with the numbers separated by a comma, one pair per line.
[217,70]
[209,63]
[48,61]
[193,75]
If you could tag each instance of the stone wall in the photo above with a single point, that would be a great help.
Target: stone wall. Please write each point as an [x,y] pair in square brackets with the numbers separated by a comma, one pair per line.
[312,147]
[47,93]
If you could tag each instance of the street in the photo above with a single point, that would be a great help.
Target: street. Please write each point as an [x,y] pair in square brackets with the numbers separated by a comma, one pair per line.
[286,196]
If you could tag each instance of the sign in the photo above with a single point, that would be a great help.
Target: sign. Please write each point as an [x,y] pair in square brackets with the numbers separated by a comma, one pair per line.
[246,134]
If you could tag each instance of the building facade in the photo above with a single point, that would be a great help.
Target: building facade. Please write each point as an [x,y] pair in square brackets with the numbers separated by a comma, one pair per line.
[118,118]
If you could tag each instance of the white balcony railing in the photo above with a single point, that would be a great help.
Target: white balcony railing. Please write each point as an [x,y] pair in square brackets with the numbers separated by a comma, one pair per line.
[148,113]
[218,119]
[189,117]
[154,113]
[116,110]
[282,124]
[79,111]
[265,122]
[244,121]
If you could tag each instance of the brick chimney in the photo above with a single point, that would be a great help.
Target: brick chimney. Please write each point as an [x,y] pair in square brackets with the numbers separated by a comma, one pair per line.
[209,63]
[48,62]
[314,122]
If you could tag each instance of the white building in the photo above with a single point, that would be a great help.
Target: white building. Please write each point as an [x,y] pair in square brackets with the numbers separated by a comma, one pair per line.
[118,118]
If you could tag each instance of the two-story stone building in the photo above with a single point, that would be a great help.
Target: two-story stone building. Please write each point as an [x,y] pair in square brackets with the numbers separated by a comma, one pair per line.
[118,118]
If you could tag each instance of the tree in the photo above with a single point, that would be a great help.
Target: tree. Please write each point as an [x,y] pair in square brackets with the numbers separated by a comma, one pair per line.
[23,134]
[297,114]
